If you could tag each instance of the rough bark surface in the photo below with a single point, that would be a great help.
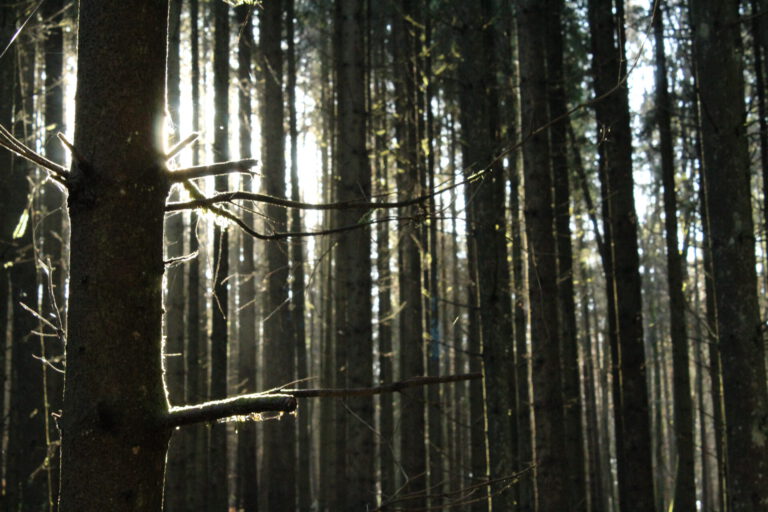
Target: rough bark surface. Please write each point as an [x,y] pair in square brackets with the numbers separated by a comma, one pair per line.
[353,260]
[113,449]
[479,101]
[612,111]
[549,432]
[718,52]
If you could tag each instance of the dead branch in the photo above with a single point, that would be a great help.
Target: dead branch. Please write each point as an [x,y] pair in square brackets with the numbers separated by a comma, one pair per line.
[236,406]
[227,197]
[175,150]
[14,145]
[202,171]
[393,387]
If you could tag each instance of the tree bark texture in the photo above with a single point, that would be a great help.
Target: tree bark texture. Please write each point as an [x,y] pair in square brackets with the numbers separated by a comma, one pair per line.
[718,51]
[353,260]
[113,449]
[685,486]
[479,102]
[549,432]
[612,111]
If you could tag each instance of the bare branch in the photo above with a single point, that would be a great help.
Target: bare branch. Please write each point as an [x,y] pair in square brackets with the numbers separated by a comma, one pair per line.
[14,145]
[175,150]
[378,390]
[201,171]
[235,406]
[227,197]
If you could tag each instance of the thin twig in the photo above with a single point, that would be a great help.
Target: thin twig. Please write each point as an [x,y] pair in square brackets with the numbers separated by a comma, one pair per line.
[76,156]
[243,405]
[202,171]
[377,390]
[14,145]
[175,150]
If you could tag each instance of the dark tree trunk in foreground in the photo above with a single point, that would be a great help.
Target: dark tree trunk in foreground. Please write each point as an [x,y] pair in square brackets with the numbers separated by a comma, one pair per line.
[612,111]
[479,101]
[549,433]
[685,486]
[353,259]
[113,448]
[718,53]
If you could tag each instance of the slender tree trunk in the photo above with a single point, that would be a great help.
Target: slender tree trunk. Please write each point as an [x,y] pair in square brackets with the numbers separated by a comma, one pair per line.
[279,342]
[717,44]
[174,281]
[380,127]
[196,487]
[10,210]
[113,448]
[568,333]
[633,422]
[526,491]
[218,493]
[298,307]
[413,422]
[247,478]
[685,487]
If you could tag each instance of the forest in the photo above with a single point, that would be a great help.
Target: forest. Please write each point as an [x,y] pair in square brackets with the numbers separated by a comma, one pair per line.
[393,255]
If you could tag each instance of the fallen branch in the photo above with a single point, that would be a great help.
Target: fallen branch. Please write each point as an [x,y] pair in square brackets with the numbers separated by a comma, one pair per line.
[228,407]
[202,171]
[393,387]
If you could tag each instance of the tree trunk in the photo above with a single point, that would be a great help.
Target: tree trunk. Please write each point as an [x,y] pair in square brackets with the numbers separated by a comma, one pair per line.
[549,434]
[279,342]
[196,488]
[353,261]
[113,447]
[633,422]
[569,348]
[298,306]
[174,282]
[479,102]
[218,494]
[717,49]
[413,455]
[685,486]
[247,481]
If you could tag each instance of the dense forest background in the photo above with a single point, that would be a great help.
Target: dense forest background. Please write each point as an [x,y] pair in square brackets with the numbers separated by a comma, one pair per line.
[506,255]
